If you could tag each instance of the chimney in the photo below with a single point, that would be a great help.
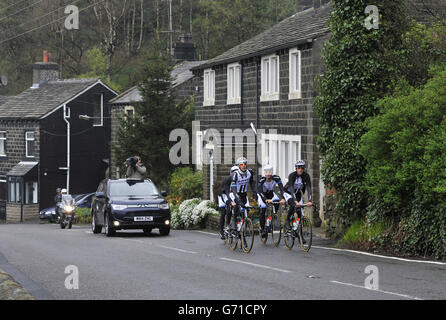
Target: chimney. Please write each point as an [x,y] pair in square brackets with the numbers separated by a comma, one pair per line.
[44,71]
[185,48]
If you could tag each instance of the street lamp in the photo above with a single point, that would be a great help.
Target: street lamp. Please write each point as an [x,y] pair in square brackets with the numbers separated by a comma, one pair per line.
[210,146]
[254,129]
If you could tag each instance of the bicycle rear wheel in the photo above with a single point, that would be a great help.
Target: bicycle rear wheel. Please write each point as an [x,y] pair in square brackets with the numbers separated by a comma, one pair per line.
[247,235]
[276,230]
[305,234]
[264,240]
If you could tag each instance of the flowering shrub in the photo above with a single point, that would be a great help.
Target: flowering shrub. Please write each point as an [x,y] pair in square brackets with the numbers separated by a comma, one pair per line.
[191,213]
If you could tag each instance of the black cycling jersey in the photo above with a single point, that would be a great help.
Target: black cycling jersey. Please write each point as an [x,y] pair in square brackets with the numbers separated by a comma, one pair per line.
[297,185]
[225,187]
[265,188]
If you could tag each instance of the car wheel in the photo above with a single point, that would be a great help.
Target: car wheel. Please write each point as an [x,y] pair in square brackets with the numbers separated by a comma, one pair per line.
[94,227]
[147,231]
[109,230]
[164,231]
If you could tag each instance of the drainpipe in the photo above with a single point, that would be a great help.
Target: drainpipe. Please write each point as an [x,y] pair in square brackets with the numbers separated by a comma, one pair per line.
[258,61]
[65,117]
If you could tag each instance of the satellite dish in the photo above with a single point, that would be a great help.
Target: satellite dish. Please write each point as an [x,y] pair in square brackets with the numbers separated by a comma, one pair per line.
[3,80]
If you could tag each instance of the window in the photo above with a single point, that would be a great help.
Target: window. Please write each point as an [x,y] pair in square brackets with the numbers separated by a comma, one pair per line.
[98,111]
[209,87]
[295,74]
[280,151]
[3,189]
[30,144]
[234,83]
[270,78]
[15,193]
[31,192]
[2,144]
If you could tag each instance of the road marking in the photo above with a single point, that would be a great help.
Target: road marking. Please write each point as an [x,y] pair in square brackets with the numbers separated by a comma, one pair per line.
[256,265]
[176,249]
[213,234]
[381,256]
[381,291]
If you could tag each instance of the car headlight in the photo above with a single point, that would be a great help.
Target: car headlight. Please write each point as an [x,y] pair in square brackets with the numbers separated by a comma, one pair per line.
[163,206]
[119,206]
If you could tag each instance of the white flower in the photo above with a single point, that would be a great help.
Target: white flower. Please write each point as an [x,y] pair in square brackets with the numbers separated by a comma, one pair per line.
[191,212]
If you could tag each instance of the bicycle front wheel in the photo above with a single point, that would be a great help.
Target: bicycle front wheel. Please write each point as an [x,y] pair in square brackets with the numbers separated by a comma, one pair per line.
[276,230]
[305,234]
[247,235]
[232,237]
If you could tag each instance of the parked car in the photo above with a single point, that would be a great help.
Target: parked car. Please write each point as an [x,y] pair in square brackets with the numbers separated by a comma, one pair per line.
[129,204]
[81,200]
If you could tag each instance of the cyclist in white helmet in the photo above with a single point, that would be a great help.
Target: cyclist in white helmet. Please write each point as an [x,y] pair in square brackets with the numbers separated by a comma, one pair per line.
[224,200]
[239,186]
[266,193]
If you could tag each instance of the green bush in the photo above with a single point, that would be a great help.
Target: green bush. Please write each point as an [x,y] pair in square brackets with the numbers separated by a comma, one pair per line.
[185,183]
[83,215]
[363,234]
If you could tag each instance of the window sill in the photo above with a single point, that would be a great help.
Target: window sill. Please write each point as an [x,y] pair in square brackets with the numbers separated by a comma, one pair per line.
[234,101]
[270,97]
[209,103]
[295,95]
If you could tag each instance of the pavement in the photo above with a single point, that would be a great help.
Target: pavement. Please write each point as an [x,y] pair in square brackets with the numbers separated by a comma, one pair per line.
[195,265]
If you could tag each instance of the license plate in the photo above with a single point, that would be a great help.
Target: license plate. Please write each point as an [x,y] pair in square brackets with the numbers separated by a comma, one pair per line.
[143,219]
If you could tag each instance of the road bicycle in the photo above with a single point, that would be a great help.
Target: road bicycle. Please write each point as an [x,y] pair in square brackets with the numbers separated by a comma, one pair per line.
[302,230]
[272,223]
[243,232]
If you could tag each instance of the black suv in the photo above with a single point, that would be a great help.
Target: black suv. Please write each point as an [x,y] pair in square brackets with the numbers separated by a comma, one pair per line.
[129,204]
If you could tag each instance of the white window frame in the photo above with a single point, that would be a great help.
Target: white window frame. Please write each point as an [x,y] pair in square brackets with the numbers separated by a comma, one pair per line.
[295,78]
[270,84]
[26,143]
[276,144]
[234,83]
[102,113]
[4,143]
[209,87]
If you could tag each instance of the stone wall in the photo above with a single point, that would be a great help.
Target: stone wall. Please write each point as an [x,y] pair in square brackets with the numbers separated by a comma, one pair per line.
[14,212]
[333,225]
[12,290]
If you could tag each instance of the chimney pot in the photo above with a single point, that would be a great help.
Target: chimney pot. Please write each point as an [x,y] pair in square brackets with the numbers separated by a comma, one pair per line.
[45,56]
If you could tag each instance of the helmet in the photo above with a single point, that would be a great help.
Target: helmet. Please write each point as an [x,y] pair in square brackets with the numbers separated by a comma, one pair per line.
[241,160]
[58,190]
[234,168]
[64,190]
[268,168]
[300,163]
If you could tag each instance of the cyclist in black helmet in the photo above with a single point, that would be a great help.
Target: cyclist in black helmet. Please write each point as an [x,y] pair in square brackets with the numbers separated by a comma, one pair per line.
[298,182]
[223,199]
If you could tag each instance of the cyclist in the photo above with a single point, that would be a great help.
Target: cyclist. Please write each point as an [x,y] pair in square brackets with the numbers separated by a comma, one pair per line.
[298,182]
[266,194]
[223,200]
[239,186]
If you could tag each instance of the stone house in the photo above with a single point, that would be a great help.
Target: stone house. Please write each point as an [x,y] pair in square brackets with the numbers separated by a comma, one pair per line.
[33,141]
[269,81]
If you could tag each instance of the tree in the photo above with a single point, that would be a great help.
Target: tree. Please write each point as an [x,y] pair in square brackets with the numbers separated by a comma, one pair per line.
[147,133]
[361,66]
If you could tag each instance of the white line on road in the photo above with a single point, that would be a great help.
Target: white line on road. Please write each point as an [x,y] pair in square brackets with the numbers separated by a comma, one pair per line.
[256,265]
[381,291]
[381,256]
[176,249]
[212,234]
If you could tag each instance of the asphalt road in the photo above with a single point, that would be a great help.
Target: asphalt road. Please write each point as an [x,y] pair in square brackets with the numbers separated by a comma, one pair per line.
[196,265]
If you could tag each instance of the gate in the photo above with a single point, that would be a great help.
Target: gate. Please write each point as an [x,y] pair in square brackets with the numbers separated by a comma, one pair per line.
[2,210]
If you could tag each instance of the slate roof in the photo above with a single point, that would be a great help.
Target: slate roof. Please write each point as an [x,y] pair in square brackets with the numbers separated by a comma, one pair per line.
[35,103]
[307,24]
[3,99]
[180,74]
[22,168]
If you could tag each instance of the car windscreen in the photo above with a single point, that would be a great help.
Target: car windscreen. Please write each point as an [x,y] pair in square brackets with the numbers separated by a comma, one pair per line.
[131,188]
